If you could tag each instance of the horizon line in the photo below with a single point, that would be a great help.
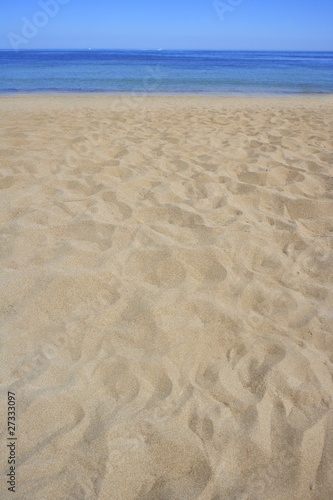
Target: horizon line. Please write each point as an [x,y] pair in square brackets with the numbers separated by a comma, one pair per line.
[163,49]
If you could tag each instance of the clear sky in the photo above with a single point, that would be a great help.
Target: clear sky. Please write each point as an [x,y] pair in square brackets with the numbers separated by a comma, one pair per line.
[168,24]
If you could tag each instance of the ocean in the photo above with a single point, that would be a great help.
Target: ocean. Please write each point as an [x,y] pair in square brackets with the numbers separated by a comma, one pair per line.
[165,71]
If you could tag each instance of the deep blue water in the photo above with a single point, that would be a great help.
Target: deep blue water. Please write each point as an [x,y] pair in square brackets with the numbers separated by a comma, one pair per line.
[219,72]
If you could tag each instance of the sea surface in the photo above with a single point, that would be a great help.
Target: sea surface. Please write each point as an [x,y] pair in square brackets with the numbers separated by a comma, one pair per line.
[164,71]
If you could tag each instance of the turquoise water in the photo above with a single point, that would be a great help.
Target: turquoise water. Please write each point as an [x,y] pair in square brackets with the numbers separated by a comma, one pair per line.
[216,72]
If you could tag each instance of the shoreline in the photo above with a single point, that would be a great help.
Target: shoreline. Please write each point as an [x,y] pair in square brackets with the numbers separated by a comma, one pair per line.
[124,102]
[168,94]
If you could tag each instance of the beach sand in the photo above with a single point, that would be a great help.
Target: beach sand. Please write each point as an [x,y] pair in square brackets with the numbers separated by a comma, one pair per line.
[166,296]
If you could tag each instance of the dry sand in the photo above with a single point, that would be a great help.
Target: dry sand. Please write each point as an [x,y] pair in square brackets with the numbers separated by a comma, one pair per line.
[166,296]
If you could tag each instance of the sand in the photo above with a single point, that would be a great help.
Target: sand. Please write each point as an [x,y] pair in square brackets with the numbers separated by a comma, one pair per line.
[166,296]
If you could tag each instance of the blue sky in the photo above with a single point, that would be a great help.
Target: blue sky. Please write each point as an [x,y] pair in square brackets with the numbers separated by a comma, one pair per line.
[152,24]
